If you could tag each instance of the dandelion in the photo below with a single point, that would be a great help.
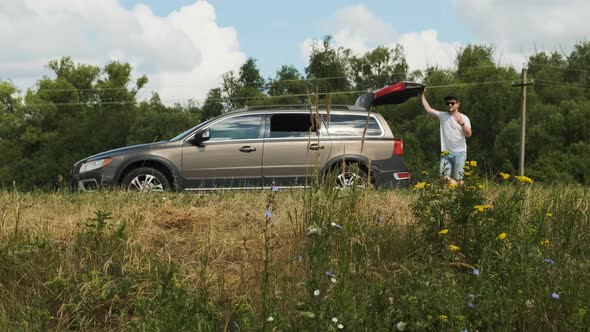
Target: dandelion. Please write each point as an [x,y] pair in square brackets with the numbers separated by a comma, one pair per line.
[505,176]
[268,214]
[555,295]
[524,179]
[444,231]
[472,163]
[453,247]
[270,319]
[316,292]
[444,152]
[501,236]
[480,186]
[466,167]
[475,272]
[444,318]
[421,185]
[336,225]
[401,326]
[545,243]
[340,326]
[335,319]
[549,261]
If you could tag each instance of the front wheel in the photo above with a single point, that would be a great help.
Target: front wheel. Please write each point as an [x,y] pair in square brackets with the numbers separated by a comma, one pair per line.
[146,179]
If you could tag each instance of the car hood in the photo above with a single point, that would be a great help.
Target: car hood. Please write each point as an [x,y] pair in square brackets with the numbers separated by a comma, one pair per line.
[126,149]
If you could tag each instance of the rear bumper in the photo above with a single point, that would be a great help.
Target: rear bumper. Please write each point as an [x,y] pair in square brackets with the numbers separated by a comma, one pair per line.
[391,173]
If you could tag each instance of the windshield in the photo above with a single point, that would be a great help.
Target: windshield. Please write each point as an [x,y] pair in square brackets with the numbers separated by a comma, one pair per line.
[187,132]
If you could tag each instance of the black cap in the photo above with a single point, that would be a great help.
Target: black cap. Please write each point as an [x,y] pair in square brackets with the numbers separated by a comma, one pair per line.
[451,96]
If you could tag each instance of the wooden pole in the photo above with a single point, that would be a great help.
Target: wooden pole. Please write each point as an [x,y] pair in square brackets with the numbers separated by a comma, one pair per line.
[522,125]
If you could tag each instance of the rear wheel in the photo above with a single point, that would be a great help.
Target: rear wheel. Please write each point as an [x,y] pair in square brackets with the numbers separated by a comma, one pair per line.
[351,175]
[146,179]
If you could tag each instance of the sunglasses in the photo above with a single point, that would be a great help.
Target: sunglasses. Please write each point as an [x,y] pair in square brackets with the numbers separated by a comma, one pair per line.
[452,103]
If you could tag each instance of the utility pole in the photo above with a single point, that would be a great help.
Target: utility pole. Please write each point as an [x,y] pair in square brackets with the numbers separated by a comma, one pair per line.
[523,84]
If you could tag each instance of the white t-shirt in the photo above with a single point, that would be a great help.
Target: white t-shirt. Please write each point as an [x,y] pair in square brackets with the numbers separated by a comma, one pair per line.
[452,137]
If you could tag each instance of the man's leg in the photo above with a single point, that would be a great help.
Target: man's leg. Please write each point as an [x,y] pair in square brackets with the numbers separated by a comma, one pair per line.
[459,160]
[446,164]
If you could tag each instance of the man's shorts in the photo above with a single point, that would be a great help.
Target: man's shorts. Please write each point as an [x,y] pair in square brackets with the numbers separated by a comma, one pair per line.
[453,162]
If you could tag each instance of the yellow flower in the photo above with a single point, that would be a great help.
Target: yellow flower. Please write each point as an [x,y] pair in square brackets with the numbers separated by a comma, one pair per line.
[505,176]
[466,167]
[545,243]
[425,173]
[501,236]
[443,317]
[472,163]
[421,185]
[413,299]
[453,247]
[444,153]
[468,173]
[444,231]
[524,179]
[452,185]
[482,208]
[471,188]
[480,186]
[549,215]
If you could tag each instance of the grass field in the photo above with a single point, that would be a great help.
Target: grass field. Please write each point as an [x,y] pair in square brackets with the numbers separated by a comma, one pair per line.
[484,256]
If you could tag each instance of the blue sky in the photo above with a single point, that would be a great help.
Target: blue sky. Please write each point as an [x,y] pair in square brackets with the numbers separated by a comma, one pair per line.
[185,46]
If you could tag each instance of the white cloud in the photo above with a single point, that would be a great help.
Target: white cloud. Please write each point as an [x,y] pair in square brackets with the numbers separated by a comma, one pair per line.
[522,26]
[183,54]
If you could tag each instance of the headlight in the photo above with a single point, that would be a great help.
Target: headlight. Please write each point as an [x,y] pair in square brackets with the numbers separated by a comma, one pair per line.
[92,165]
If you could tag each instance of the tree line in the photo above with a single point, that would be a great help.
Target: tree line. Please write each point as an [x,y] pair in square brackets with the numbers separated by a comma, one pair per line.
[82,109]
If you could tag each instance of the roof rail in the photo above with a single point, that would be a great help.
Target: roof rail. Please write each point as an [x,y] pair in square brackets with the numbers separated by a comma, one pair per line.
[300,107]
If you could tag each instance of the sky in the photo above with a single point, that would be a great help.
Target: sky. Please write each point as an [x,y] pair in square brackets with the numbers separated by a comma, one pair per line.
[185,46]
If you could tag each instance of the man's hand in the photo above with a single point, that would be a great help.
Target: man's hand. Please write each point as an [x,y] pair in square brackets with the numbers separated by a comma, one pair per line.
[457,116]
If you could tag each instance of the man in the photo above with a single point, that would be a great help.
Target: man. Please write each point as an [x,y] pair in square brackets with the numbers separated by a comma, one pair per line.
[454,128]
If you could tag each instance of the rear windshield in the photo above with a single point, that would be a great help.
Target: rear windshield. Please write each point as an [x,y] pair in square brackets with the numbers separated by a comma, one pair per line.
[352,125]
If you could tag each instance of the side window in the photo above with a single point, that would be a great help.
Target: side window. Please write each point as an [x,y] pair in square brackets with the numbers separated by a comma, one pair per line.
[291,125]
[352,125]
[238,127]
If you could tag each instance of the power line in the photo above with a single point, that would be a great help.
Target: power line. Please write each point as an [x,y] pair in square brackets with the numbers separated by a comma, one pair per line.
[558,67]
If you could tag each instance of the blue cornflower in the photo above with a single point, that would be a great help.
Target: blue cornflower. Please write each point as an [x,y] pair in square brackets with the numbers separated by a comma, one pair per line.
[471,296]
[268,214]
[549,261]
[555,295]
[464,330]
[336,225]
[475,272]
[379,219]
[471,305]
[330,274]
[300,258]
[275,188]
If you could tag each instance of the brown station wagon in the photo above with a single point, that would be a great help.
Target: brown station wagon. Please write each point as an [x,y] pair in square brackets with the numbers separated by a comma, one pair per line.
[260,147]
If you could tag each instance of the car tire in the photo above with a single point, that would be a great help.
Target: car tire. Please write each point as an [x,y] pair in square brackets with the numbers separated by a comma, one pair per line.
[352,176]
[145,179]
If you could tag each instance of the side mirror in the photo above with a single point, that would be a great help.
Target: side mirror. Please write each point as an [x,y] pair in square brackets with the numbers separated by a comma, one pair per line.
[200,137]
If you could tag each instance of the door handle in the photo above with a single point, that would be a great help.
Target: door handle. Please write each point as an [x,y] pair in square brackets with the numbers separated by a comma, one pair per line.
[247,149]
[315,146]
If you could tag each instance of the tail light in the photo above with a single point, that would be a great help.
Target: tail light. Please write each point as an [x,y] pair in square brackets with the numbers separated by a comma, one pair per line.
[398,147]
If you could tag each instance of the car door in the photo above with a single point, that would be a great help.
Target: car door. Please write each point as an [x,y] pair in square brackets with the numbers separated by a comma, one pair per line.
[231,157]
[296,147]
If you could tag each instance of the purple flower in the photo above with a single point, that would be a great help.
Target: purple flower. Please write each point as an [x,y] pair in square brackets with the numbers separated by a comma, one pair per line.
[336,225]
[330,274]
[555,295]
[471,305]
[275,188]
[464,330]
[300,258]
[268,214]
[475,272]
[471,296]
[379,219]
[549,261]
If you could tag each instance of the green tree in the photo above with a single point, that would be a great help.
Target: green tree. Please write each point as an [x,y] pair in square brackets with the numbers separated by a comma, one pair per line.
[378,68]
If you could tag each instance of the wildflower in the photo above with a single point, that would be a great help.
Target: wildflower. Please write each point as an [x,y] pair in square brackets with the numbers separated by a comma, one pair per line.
[475,272]
[444,152]
[330,274]
[468,173]
[275,188]
[505,176]
[335,319]
[555,295]
[268,214]
[336,225]
[316,292]
[413,299]
[549,261]
[401,326]
[340,326]
[453,247]
[524,179]
[471,305]
[444,318]
[545,243]
[424,173]
[466,167]
[270,319]
[421,185]
[299,258]
[444,231]
[472,163]
[379,219]
[312,230]
[471,296]
[471,188]
[333,280]
[452,185]
[501,236]
[530,304]
[480,186]
[464,330]
[549,215]
[482,208]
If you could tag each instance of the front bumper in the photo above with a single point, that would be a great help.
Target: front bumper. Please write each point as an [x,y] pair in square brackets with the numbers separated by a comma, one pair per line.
[93,180]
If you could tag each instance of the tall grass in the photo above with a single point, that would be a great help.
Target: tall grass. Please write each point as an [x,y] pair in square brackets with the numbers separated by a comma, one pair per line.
[314,259]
